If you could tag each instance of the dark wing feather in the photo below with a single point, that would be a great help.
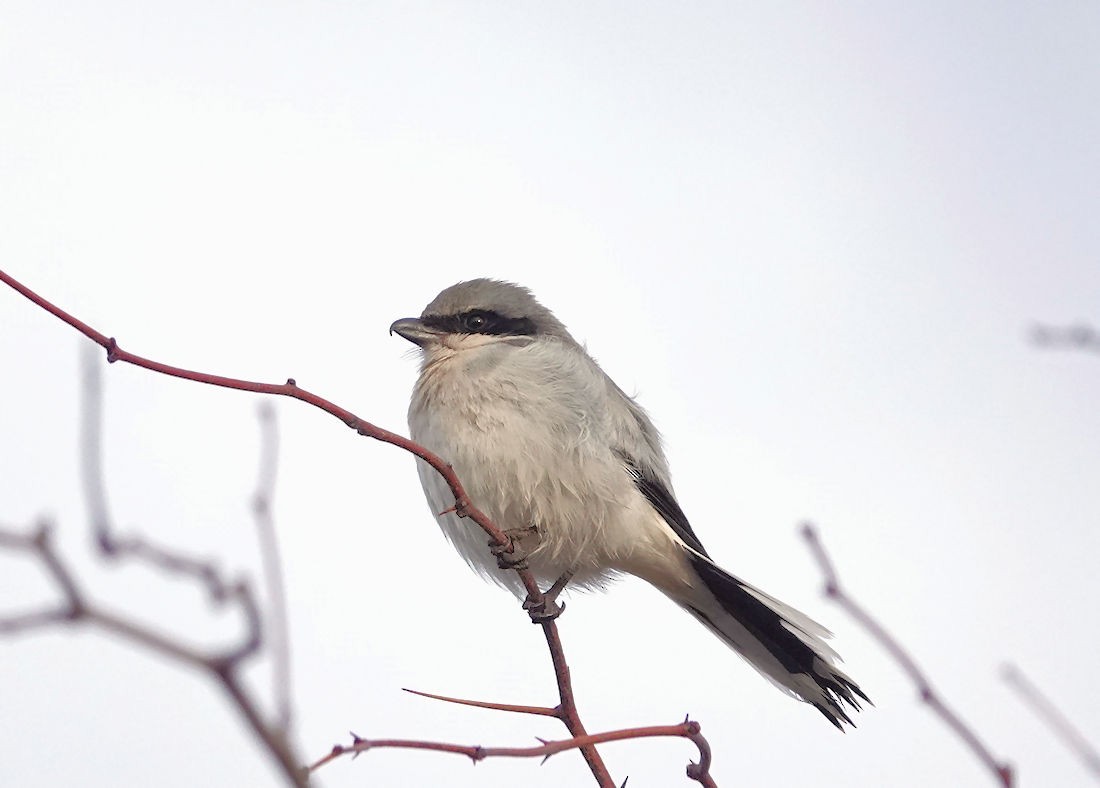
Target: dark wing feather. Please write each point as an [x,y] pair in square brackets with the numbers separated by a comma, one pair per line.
[661,499]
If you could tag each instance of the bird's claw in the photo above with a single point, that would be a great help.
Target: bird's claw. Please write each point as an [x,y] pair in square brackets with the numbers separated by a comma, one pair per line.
[542,609]
[514,554]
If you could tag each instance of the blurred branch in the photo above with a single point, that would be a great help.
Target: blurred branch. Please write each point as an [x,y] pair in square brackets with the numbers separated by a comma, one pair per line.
[1002,772]
[109,544]
[700,772]
[1079,336]
[278,637]
[1045,709]
[223,665]
[76,607]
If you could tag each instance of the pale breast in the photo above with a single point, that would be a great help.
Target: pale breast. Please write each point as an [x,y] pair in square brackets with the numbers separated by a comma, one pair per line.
[529,455]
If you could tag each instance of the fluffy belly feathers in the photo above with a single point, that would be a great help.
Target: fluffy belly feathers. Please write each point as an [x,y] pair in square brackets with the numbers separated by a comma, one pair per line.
[582,512]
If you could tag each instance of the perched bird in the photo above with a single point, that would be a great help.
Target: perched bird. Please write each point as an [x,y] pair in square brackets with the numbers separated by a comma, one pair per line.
[572,469]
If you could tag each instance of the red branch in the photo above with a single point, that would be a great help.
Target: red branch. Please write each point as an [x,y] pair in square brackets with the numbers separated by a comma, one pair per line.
[1002,771]
[699,772]
[566,711]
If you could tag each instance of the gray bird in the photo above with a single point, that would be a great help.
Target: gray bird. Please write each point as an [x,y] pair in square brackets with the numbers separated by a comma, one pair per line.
[572,468]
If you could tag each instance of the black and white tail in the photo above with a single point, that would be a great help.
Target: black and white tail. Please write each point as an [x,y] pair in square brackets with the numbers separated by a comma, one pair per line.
[786,646]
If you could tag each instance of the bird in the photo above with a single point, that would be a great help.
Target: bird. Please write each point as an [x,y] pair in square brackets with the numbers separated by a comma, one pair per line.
[574,471]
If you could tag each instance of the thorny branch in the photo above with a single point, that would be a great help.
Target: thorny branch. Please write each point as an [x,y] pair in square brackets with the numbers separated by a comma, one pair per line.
[274,737]
[1002,771]
[700,772]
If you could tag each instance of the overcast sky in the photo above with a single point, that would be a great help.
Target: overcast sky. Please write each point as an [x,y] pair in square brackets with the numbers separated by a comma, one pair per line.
[811,238]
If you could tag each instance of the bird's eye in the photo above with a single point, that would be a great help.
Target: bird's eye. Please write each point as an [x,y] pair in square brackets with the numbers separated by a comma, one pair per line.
[475,321]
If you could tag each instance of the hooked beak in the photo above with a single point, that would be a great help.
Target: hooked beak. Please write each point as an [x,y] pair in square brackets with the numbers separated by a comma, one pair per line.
[414,330]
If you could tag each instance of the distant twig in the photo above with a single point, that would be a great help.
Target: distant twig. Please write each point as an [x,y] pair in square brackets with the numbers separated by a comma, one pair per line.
[278,638]
[1045,709]
[76,606]
[1079,336]
[1003,772]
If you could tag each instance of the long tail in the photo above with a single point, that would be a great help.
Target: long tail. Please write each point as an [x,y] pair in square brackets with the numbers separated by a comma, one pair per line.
[786,646]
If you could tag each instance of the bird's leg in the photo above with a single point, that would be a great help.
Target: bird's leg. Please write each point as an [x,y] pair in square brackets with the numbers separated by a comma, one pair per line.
[547,608]
[515,554]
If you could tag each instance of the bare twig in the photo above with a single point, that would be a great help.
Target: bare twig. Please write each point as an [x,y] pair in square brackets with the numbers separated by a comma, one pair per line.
[76,607]
[1045,709]
[107,541]
[700,772]
[1002,771]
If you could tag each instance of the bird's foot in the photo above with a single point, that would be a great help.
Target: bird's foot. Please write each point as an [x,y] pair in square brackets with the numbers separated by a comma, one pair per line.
[521,543]
[545,607]
[542,609]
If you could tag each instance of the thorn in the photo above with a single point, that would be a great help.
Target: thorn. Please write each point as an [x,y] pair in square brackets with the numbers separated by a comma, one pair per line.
[291,382]
[542,741]
[625,782]
[337,749]
[355,738]
[448,510]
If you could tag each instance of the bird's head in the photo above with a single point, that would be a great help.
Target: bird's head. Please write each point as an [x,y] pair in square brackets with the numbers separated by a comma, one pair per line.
[479,313]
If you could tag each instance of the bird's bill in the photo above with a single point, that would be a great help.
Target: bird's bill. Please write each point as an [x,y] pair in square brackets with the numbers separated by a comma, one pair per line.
[414,330]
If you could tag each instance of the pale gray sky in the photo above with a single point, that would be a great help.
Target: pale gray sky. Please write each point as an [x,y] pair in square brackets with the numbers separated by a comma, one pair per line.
[812,239]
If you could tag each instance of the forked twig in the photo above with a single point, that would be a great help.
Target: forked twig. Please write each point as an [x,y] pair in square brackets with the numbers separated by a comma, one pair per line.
[75,605]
